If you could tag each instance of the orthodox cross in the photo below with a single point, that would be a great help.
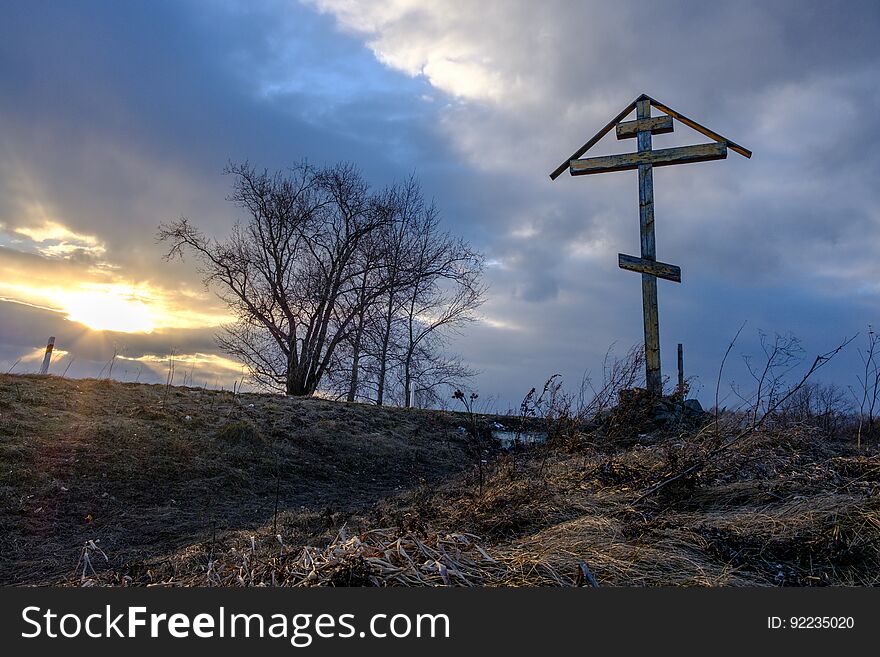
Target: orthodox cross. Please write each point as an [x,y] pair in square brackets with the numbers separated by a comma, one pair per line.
[645,159]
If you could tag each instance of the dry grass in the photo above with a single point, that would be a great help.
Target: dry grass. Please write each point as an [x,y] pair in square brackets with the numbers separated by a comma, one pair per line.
[145,475]
[378,557]
[785,506]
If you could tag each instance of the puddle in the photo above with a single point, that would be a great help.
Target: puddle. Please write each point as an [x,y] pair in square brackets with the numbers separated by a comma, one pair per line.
[509,438]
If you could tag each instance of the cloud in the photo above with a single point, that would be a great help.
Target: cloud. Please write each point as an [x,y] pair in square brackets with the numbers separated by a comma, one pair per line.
[529,82]
[53,240]
[50,231]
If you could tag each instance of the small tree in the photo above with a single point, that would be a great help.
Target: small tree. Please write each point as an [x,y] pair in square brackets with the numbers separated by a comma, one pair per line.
[868,392]
[433,289]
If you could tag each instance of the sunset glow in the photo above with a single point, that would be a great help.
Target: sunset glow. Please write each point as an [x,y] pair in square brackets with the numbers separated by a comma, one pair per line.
[120,306]
[112,309]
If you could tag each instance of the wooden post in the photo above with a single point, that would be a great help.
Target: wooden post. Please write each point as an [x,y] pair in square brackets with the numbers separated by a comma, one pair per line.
[44,368]
[681,370]
[653,377]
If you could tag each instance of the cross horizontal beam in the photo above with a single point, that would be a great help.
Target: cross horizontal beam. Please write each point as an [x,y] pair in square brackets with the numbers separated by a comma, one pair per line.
[658,125]
[661,158]
[652,267]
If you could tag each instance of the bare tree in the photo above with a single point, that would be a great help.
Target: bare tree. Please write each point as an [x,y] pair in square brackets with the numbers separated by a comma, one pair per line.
[332,284]
[433,371]
[818,404]
[398,238]
[350,363]
[442,298]
[432,288]
[781,355]
[291,271]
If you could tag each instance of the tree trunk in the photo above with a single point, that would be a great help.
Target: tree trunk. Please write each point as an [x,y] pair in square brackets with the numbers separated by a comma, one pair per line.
[355,361]
[383,356]
[296,388]
[410,349]
[298,382]
[359,331]
[407,382]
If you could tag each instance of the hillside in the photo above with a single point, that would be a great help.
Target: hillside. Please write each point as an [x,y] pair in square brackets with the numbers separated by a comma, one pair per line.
[181,489]
[145,473]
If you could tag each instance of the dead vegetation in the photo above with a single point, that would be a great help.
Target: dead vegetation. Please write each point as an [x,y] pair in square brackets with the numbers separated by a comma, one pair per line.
[378,557]
[144,470]
[785,507]
[787,503]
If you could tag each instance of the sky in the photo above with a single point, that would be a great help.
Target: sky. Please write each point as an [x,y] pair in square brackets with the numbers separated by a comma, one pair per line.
[115,117]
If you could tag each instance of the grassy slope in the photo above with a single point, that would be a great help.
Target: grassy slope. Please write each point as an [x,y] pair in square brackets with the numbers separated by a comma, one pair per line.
[786,506]
[146,474]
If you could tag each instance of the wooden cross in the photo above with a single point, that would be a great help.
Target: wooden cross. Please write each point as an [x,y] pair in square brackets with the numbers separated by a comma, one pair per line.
[645,159]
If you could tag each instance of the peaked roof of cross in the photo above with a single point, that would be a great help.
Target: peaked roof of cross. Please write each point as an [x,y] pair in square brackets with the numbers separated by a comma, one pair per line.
[663,108]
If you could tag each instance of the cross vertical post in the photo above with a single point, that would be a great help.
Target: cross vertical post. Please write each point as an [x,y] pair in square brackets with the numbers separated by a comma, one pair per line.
[653,377]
